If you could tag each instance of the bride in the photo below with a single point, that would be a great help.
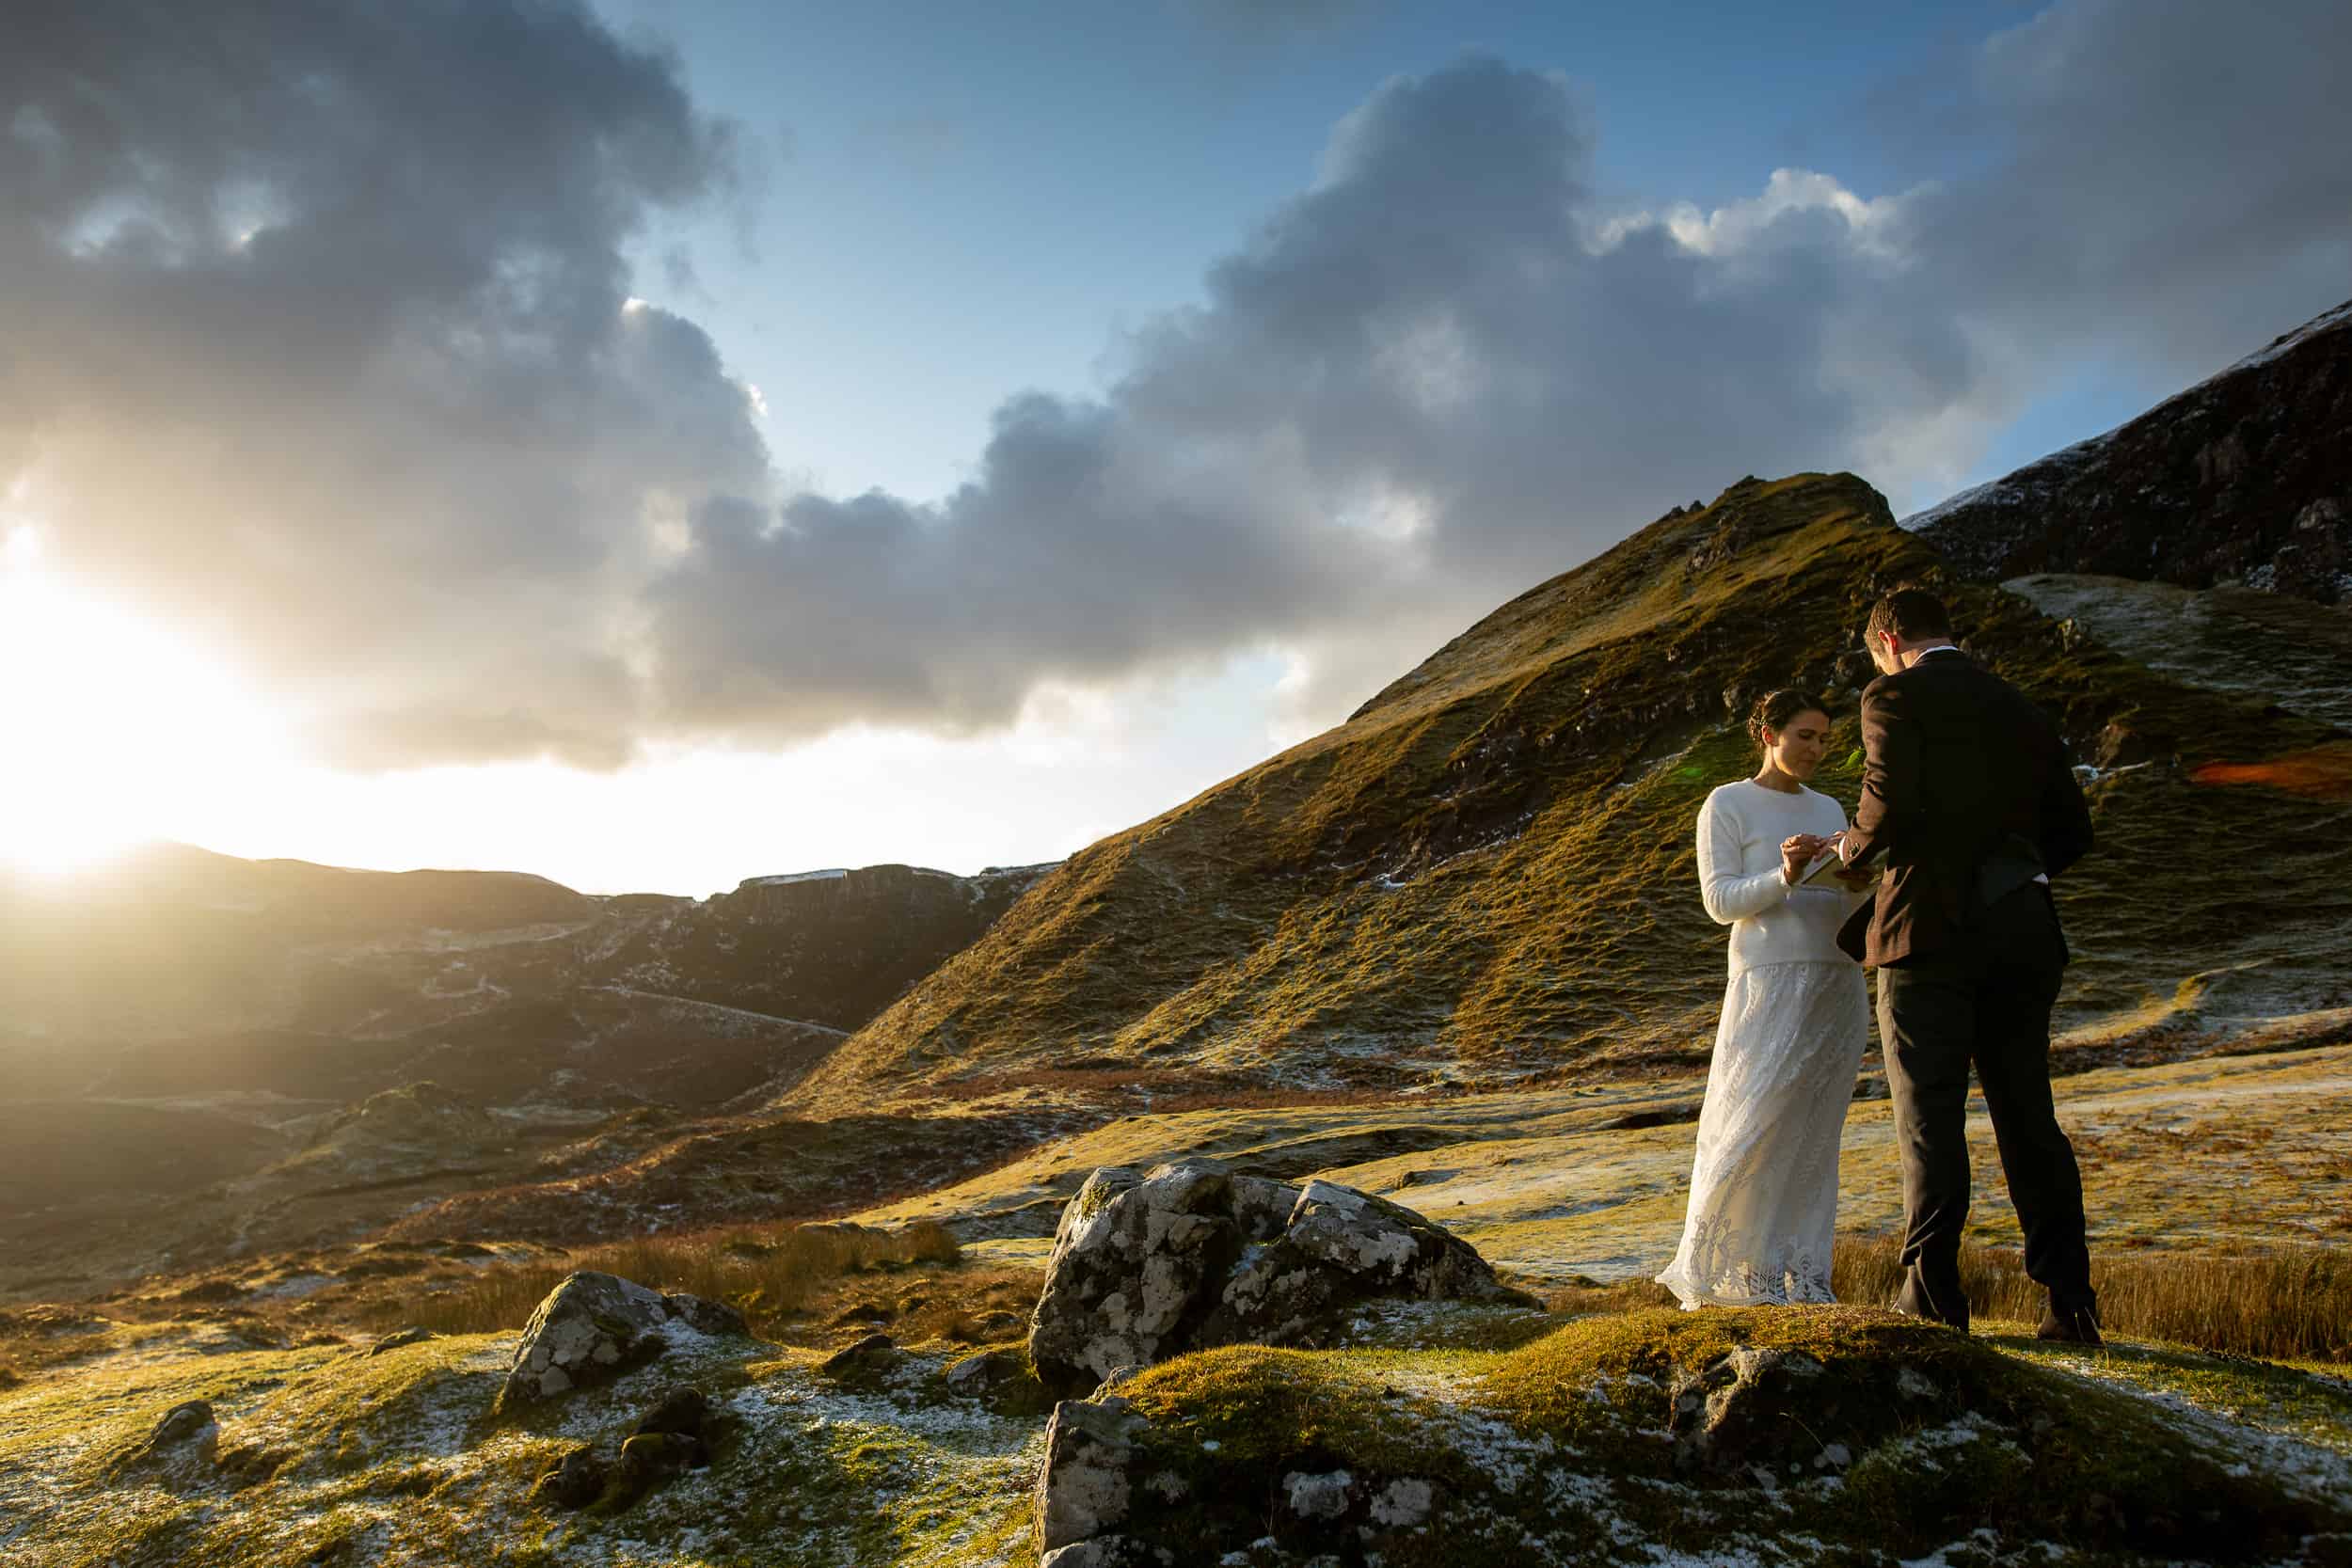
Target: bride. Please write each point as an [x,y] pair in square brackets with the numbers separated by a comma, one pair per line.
[1764,1184]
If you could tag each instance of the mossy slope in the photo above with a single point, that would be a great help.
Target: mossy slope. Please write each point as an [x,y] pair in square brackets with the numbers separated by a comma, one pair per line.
[327,1455]
[1520,1445]
[1816,1435]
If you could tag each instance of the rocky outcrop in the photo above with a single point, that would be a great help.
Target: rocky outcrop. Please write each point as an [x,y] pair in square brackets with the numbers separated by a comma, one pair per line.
[1109,1496]
[678,1434]
[400,1131]
[572,1481]
[1191,1254]
[870,1354]
[593,1326]
[830,947]
[2246,477]
[182,1446]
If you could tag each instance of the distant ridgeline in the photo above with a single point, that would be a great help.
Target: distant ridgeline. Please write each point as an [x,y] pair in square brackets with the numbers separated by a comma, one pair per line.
[1485,875]
[177,970]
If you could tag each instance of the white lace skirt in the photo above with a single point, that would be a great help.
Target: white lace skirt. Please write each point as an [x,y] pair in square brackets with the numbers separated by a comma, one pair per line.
[1764,1184]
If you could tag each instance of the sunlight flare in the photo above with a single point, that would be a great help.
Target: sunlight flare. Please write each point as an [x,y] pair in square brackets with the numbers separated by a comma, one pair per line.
[111,724]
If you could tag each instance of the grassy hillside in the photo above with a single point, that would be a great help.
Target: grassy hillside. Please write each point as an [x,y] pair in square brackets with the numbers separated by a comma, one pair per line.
[1485,875]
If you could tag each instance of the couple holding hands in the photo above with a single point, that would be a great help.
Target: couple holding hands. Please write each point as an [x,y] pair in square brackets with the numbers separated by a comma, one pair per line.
[1968,809]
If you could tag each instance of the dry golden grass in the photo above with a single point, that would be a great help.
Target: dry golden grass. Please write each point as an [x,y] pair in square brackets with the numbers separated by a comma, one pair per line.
[767,1276]
[2291,1305]
[1583,1297]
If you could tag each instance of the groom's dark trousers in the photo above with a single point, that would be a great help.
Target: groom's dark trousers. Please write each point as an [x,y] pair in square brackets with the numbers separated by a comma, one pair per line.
[1967,794]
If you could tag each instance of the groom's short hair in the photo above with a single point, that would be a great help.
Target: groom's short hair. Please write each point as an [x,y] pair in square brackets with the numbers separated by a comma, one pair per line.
[1910,613]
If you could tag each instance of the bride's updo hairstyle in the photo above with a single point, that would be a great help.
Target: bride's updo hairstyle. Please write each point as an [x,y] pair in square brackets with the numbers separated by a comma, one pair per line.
[1774,709]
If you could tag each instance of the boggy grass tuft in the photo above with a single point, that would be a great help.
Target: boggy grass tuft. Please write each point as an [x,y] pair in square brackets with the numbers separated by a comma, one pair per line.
[767,1276]
[2290,1304]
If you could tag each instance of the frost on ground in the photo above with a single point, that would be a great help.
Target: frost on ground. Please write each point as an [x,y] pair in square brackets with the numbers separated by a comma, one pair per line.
[2236,640]
[1645,1438]
[1553,1184]
[395,1459]
[1762,1437]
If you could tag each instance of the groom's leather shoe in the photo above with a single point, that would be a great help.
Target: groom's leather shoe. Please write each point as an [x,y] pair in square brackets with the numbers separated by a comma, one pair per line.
[2076,1324]
[1915,1300]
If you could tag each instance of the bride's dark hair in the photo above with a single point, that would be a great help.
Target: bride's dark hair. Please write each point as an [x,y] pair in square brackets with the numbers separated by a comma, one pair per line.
[1774,710]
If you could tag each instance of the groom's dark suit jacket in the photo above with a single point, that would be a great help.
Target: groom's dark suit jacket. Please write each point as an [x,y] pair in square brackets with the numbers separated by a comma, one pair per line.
[1966,793]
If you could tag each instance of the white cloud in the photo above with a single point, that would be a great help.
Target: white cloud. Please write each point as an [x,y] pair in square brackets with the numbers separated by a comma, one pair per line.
[395,442]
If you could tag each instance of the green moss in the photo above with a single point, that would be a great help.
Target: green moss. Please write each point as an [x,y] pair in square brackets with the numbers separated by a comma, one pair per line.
[1987,1441]
[1871,1437]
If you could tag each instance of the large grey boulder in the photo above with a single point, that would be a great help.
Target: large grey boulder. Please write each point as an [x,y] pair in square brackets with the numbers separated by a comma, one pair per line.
[593,1326]
[1147,1266]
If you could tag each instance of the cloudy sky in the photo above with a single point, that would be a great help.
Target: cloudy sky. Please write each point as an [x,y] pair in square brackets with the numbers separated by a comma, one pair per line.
[661,442]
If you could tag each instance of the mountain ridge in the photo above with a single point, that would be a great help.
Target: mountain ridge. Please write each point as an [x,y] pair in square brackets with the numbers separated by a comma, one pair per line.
[2244,477]
[1383,904]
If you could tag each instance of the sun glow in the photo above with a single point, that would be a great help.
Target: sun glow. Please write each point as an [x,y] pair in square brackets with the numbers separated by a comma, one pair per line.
[112,730]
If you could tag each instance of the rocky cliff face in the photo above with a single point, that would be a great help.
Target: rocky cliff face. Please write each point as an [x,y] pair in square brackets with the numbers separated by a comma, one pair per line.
[2244,477]
[829,947]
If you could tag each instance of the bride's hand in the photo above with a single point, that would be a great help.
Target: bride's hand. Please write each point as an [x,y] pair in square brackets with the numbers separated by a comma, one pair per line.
[1796,853]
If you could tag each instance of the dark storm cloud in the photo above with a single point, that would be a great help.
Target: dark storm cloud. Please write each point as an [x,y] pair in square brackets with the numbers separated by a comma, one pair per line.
[2168,180]
[316,333]
[317,328]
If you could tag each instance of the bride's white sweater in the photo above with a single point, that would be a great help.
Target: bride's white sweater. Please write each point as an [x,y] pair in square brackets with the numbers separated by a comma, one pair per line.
[1741,828]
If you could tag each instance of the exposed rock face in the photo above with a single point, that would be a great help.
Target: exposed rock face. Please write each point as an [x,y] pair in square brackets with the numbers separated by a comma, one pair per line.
[572,1481]
[1082,1489]
[648,1459]
[593,1326]
[2246,477]
[1107,1496]
[184,1445]
[1150,1266]
[830,947]
[870,1354]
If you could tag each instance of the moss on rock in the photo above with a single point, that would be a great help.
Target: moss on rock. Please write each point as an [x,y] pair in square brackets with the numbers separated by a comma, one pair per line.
[1787,1435]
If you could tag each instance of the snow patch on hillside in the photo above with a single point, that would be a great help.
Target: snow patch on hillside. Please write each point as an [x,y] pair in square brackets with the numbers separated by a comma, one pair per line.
[786,880]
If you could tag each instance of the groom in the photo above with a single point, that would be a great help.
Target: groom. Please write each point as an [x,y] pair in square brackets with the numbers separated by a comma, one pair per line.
[1967,797]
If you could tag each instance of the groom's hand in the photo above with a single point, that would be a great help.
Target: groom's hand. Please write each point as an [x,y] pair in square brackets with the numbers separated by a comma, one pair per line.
[1853,878]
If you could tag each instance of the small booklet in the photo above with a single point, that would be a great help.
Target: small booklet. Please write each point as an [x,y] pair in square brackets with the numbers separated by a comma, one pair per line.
[1824,870]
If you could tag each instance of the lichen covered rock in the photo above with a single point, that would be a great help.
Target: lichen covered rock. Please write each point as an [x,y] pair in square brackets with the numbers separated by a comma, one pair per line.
[593,1326]
[1146,1266]
[1082,1489]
